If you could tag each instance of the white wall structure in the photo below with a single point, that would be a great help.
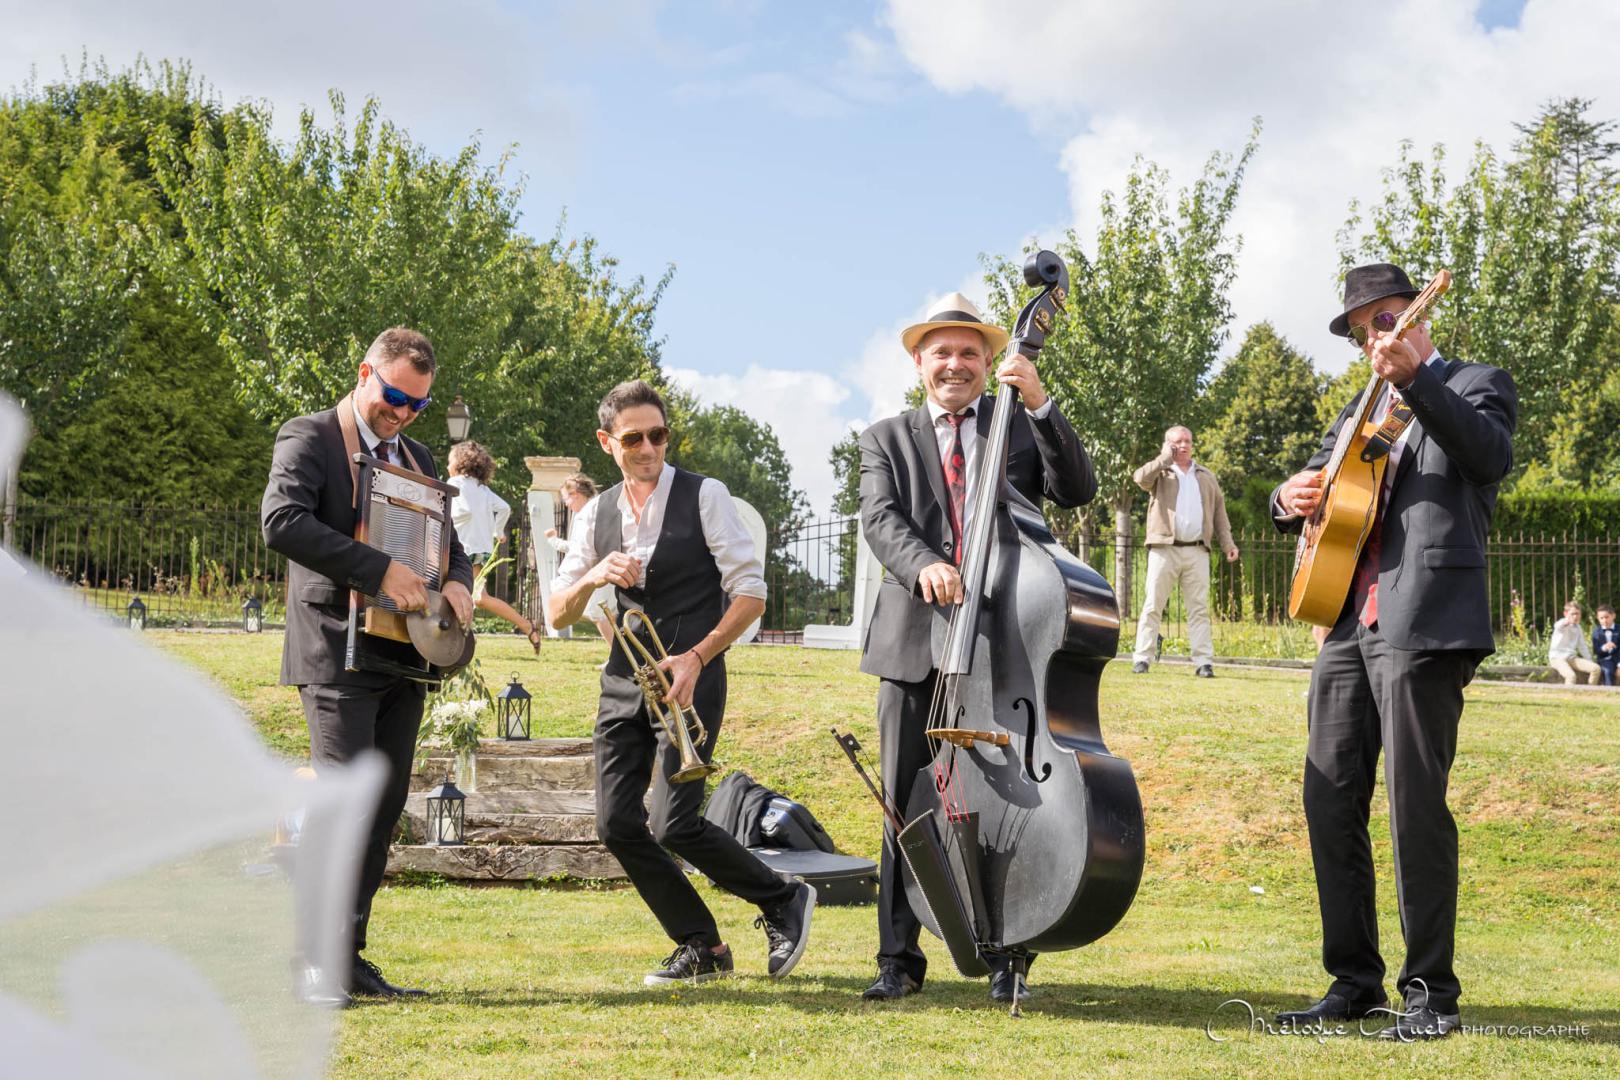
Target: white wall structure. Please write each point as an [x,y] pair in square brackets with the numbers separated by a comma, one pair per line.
[544,497]
[868,575]
[755,524]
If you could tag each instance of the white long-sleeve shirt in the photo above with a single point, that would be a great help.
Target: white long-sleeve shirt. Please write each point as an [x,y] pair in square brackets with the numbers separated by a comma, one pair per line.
[479,516]
[1567,641]
[741,571]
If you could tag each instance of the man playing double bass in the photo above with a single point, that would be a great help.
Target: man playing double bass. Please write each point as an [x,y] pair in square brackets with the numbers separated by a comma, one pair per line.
[919,472]
[1391,672]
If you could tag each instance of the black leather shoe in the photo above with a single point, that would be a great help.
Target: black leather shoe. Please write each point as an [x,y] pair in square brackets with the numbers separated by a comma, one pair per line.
[1205,671]
[1139,668]
[313,986]
[1418,1024]
[787,930]
[891,985]
[1001,986]
[366,980]
[1332,1007]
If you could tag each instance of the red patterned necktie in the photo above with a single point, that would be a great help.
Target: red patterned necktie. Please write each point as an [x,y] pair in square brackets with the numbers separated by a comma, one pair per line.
[381,453]
[1366,581]
[956,481]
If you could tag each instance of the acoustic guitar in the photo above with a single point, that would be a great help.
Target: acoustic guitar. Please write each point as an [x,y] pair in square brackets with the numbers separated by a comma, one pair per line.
[1331,540]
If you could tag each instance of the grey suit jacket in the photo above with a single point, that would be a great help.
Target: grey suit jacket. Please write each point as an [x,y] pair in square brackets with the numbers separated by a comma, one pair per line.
[1431,571]
[904,516]
[308,515]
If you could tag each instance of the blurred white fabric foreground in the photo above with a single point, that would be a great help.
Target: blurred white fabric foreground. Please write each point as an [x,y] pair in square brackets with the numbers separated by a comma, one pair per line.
[141,932]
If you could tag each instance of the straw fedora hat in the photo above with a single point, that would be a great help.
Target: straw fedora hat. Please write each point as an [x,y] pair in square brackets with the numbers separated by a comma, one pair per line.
[955,310]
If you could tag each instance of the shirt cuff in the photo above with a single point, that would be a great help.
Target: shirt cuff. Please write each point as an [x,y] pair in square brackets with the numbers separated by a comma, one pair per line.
[1043,412]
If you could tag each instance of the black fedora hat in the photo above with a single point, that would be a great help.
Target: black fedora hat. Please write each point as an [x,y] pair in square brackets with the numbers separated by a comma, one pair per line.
[1364,284]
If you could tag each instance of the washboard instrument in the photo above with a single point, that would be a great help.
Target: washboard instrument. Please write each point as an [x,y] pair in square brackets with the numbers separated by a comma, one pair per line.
[405,515]
[1332,537]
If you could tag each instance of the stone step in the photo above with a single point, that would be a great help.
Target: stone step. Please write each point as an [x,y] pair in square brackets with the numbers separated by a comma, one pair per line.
[483,804]
[500,768]
[506,862]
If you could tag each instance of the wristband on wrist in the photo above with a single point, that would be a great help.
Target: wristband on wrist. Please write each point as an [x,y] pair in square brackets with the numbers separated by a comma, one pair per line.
[702,663]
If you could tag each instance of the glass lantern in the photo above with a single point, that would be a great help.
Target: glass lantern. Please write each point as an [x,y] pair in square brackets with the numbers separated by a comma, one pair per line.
[458,420]
[136,613]
[446,816]
[512,717]
[252,615]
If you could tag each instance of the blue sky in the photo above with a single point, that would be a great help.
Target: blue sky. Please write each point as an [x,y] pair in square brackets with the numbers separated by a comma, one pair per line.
[817,173]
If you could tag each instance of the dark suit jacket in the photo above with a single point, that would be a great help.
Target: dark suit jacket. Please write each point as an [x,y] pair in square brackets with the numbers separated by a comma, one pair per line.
[308,515]
[1431,571]
[904,516]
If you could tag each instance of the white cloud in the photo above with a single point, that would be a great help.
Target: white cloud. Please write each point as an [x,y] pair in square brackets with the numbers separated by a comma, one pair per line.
[801,407]
[1174,81]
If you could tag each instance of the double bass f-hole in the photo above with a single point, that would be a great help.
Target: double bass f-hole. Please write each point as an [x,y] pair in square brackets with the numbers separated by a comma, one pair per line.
[1029,743]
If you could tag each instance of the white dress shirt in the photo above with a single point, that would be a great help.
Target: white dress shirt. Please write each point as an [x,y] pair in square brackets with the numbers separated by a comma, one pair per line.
[479,516]
[970,446]
[1189,517]
[741,571]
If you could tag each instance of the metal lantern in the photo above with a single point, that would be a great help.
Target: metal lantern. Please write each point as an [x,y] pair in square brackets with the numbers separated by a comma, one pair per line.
[512,720]
[252,615]
[458,420]
[446,816]
[136,612]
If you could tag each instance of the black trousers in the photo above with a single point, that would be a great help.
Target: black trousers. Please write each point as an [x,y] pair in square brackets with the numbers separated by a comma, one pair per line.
[1366,696]
[344,722]
[631,751]
[902,709]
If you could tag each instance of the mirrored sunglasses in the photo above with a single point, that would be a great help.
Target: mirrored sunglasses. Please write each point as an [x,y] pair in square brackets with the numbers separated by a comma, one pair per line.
[397,398]
[1383,322]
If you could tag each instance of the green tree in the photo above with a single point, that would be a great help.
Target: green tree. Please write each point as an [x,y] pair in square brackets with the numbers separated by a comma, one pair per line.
[1147,315]
[1266,425]
[1533,243]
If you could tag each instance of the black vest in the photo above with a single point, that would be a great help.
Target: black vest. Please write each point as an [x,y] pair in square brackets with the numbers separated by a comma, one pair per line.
[682,595]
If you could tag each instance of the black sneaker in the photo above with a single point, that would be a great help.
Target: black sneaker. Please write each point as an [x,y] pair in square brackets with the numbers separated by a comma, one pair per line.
[787,930]
[691,962]
[1139,668]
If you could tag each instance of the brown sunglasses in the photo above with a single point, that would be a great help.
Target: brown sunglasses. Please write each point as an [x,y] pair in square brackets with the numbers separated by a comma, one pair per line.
[658,436]
[1383,322]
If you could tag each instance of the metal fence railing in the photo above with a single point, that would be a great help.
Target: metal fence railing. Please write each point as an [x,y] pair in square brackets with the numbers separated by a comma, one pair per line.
[195,566]
[192,566]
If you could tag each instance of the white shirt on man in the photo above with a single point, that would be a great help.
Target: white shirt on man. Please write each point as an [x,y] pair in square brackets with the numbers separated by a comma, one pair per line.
[741,571]
[943,435]
[1189,516]
[479,516]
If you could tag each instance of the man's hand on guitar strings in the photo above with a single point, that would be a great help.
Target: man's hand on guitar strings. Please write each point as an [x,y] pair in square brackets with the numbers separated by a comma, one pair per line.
[1301,493]
[1394,360]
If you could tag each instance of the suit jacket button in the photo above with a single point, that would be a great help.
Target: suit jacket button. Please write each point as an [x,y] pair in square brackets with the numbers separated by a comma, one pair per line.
[947,545]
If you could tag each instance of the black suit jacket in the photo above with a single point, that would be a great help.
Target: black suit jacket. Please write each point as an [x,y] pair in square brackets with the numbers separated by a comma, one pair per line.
[1431,571]
[308,515]
[904,516]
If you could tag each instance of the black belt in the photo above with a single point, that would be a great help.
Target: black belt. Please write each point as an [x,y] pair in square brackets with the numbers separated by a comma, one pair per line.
[1186,543]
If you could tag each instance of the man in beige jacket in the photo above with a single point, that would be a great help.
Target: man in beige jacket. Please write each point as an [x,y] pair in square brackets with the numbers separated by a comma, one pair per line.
[1186,510]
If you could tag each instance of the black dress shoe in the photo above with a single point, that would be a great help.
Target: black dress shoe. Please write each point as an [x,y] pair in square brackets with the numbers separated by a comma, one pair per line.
[366,980]
[1139,668]
[892,984]
[1001,986]
[313,986]
[1418,1024]
[1205,671]
[1332,1007]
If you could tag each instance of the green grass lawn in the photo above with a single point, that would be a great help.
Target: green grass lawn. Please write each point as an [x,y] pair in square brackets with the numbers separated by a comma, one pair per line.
[546,979]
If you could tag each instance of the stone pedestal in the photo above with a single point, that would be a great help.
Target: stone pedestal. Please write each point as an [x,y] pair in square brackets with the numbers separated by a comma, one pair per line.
[546,475]
[868,576]
[533,815]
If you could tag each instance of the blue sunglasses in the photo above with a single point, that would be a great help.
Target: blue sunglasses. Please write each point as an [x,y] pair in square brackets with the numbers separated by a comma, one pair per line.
[397,398]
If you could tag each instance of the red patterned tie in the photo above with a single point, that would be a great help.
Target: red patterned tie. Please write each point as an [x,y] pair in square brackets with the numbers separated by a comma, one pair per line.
[1366,581]
[956,482]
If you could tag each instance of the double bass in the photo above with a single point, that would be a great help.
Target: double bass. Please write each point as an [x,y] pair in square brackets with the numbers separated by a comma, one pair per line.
[1024,834]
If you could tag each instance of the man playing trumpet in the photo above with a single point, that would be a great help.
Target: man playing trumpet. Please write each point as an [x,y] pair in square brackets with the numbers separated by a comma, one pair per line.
[672,545]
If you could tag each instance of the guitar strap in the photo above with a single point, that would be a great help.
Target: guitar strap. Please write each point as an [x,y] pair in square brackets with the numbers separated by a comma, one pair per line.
[1389,432]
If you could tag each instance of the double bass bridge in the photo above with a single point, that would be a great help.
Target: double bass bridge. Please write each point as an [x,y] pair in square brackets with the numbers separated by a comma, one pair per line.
[966,737]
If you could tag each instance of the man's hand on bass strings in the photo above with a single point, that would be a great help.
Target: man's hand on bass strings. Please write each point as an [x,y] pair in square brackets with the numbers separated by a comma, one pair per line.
[939,583]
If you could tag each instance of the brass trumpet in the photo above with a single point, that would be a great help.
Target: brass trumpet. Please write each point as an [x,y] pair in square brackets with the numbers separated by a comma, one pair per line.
[681,725]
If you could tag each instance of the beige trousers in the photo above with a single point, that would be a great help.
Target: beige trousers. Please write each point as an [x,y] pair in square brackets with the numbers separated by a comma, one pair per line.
[1166,567]
[1568,668]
